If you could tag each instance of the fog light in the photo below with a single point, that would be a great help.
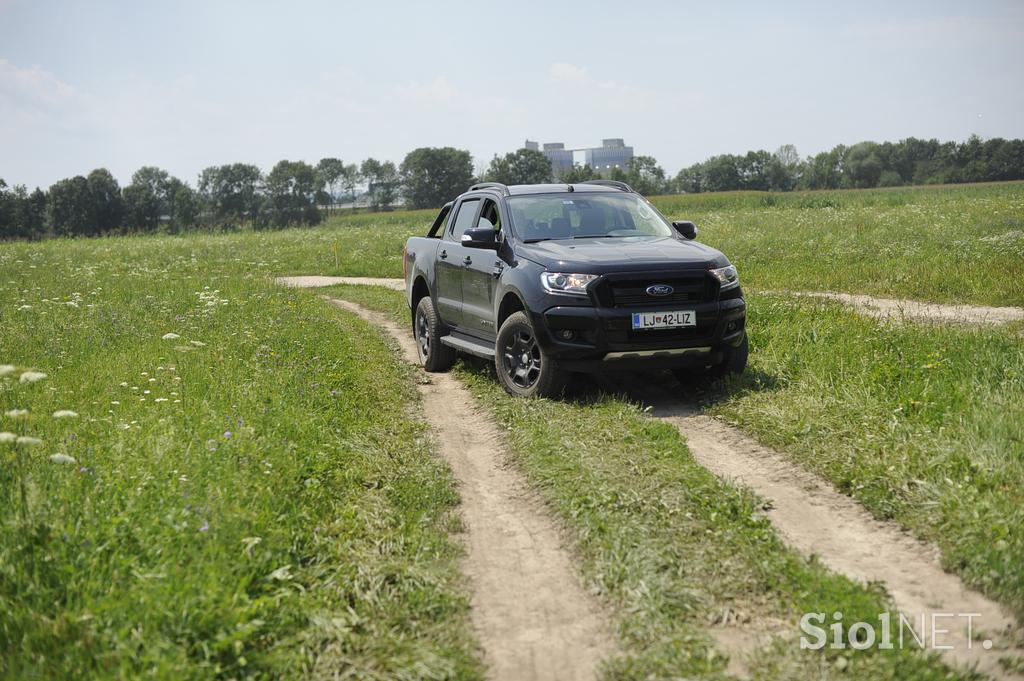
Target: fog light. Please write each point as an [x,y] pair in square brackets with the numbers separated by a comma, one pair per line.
[567,334]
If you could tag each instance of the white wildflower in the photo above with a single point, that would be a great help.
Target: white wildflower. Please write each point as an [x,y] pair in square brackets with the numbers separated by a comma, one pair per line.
[71,303]
[6,369]
[198,344]
[171,336]
[62,458]
[25,307]
[26,440]
[124,384]
[65,414]
[160,399]
[114,402]
[7,437]
[16,413]
[31,377]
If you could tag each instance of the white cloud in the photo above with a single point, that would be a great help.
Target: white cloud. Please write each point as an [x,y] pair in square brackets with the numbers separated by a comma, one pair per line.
[565,71]
[31,86]
[439,91]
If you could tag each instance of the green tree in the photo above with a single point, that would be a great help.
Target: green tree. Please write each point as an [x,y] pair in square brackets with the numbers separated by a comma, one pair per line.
[106,197]
[383,182]
[292,188]
[145,199]
[645,176]
[578,174]
[432,176]
[331,171]
[524,166]
[861,166]
[231,193]
[350,179]
[71,210]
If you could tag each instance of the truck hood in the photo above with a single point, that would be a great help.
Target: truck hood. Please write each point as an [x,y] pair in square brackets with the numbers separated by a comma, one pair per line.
[601,256]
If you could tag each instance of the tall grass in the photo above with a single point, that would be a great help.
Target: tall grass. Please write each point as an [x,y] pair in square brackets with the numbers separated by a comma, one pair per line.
[244,492]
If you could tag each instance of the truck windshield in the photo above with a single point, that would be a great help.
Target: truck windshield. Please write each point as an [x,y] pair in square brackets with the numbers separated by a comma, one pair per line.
[581,216]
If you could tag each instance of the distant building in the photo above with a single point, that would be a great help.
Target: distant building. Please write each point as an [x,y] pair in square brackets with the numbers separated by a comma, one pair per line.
[613,153]
[560,157]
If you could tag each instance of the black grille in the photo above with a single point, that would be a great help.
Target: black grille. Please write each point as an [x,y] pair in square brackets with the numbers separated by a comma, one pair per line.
[633,292]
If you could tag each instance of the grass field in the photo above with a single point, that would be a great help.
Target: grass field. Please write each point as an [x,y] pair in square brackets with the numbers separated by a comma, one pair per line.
[228,502]
[271,506]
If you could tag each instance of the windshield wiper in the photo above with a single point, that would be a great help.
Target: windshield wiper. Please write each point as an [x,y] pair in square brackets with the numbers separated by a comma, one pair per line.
[533,241]
[594,236]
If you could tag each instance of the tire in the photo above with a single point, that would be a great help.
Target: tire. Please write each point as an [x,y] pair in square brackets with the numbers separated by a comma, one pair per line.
[426,330]
[523,369]
[733,364]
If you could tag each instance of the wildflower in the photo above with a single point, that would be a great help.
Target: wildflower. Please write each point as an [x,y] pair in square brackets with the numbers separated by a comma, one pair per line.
[124,384]
[31,377]
[25,307]
[160,399]
[62,458]
[16,413]
[6,369]
[171,336]
[114,402]
[26,440]
[8,437]
[205,527]
[198,344]
[227,434]
[65,414]
[71,303]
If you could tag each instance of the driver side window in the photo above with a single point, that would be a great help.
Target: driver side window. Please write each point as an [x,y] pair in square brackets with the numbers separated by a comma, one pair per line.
[490,216]
[464,218]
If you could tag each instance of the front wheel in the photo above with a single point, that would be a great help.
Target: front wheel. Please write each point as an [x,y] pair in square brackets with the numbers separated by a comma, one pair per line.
[733,364]
[434,355]
[523,368]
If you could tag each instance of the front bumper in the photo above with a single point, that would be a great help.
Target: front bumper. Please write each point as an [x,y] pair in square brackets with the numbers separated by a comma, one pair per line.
[603,338]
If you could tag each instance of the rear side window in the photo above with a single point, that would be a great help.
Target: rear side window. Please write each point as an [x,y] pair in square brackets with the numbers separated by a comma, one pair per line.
[464,218]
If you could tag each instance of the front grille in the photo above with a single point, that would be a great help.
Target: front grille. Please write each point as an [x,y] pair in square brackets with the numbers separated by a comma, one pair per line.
[696,288]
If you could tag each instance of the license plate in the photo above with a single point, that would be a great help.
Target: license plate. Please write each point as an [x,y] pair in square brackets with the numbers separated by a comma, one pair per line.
[664,320]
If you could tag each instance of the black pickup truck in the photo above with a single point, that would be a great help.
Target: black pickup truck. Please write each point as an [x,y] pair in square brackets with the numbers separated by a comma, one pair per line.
[551,279]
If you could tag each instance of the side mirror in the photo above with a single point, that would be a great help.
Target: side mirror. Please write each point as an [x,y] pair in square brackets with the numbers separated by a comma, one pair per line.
[686,228]
[481,237]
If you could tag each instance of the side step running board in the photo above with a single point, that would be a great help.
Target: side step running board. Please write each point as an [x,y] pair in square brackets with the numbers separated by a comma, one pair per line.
[469,345]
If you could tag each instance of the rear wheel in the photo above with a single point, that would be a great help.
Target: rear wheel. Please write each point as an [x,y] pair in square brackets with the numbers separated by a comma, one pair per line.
[434,355]
[733,363]
[523,368]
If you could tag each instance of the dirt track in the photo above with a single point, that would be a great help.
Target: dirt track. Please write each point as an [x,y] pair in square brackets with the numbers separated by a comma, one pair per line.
[315,281]
[890,308]
[808,513]
[531,614]
[815,518]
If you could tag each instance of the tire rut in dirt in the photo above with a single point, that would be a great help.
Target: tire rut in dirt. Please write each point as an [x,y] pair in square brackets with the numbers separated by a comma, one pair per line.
[815,518]
[530,612]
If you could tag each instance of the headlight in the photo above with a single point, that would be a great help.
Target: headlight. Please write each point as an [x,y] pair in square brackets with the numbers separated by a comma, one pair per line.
[573,284]
[728,276]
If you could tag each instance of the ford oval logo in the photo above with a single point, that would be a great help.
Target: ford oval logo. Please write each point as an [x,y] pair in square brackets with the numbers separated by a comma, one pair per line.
[659,290]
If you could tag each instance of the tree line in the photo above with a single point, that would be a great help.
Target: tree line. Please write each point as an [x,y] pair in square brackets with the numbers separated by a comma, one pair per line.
[297,193]
[861,166]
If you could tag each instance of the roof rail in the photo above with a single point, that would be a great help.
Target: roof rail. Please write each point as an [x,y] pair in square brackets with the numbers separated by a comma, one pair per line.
[621,186]
[490,185]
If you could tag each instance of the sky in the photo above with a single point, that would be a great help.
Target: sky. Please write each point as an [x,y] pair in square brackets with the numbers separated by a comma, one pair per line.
[185,85]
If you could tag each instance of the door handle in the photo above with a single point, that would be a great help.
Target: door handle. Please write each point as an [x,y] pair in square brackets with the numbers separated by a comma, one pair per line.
[467,260]
[444,255]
